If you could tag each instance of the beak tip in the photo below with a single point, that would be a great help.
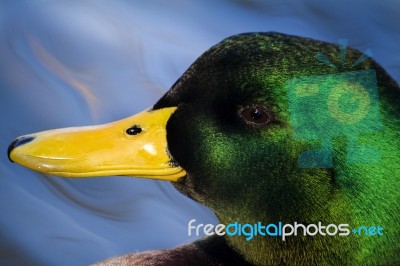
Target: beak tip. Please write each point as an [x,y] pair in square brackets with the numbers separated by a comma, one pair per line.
[17,142]
[10,149]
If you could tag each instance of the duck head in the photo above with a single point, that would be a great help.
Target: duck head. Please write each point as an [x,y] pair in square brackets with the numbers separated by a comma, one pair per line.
[224,134]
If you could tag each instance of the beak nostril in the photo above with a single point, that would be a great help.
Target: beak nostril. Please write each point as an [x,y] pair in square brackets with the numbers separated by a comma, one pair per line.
[134,130]
[18,142]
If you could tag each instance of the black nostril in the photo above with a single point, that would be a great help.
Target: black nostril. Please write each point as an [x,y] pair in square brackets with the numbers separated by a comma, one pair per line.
[18,142]
[134,130]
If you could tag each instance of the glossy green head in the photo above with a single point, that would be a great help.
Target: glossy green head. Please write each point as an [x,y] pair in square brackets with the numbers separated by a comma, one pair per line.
[235,134]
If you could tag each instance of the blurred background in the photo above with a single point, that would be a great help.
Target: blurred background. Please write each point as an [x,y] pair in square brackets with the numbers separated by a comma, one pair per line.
[74,63]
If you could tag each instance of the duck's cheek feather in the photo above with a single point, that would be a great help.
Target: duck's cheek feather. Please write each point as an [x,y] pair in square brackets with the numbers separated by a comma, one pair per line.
[182,147]
[229,170]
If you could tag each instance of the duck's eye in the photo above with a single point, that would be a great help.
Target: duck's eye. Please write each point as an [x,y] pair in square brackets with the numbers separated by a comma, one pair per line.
[257,115]
[134,130]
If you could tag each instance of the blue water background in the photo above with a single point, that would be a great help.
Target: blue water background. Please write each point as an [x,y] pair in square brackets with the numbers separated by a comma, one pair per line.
[72,63]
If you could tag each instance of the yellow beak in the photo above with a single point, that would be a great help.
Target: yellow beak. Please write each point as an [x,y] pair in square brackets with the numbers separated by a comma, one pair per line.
[134,146]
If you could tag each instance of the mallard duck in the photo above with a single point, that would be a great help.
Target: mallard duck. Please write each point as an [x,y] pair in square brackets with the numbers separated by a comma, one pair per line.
[263,127]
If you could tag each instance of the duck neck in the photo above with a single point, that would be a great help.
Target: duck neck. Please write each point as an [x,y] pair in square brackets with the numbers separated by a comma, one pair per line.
[360,197]
[364,198]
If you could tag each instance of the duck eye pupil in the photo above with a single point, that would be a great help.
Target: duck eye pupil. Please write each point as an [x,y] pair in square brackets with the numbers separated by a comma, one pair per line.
[256,114]
[134,130]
